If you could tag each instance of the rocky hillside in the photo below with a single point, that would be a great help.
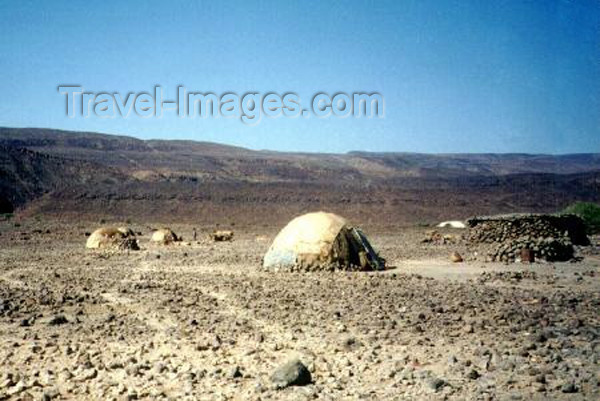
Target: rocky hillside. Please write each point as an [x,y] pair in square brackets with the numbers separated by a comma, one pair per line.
[73,173]
[26,175]
[229,162]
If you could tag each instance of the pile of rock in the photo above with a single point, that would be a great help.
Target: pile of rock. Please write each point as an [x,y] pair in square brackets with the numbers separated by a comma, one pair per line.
[502,238]
[437,238]
[221,236]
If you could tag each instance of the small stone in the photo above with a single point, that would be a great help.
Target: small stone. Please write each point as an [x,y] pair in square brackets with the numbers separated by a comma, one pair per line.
[407,373]
[435,383]
[16,389]
[133,369]
[58,320]
[569,388]
[292,373]
[216,342]
[65,375]
[159,368]
[50,394]
[235,372]
[8,382]
[456,257]
[349,342]
[88,374]
[473,374]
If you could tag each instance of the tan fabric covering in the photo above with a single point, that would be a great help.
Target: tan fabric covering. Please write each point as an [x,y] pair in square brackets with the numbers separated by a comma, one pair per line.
[310,234]
[452,224]
[164,236]
[106,237]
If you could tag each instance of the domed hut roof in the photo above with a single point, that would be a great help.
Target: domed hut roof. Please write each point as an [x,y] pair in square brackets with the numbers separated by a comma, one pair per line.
[107,237]
[452,224]
[321,241]
[164,236]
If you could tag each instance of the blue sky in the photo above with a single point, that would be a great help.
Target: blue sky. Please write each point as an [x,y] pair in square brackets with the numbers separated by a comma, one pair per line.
[457,76]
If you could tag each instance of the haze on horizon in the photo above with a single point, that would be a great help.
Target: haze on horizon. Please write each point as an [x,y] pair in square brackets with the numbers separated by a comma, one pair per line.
[457,76]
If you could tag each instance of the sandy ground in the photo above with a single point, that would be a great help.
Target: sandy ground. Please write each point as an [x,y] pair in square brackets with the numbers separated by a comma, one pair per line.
[203,321]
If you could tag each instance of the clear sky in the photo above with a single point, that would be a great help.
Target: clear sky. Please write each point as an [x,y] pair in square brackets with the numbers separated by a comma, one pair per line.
[456,76]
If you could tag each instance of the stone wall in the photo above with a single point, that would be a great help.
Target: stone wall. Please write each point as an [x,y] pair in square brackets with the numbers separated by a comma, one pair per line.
[501,238]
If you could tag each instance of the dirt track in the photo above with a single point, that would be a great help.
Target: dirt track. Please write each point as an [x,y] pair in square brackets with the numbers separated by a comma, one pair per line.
[204,322]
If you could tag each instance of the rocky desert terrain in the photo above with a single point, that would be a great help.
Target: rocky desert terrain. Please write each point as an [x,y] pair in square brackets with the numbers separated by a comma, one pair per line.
[202,320]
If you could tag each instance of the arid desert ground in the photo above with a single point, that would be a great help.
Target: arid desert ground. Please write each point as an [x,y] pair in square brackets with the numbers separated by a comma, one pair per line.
[202,320]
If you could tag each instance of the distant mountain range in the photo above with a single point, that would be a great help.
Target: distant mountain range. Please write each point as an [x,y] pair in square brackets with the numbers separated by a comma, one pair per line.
[89,174]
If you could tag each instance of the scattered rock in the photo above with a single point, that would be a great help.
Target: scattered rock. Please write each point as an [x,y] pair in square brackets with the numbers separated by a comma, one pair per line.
[435,383]
[292,373]
[159,368]
[65,375]
[235,373]
[569,388]
[17,388]
[473,374]
[8,381]
[456,257]
[57,320]
[50,394]
[221,235]
[88,374]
